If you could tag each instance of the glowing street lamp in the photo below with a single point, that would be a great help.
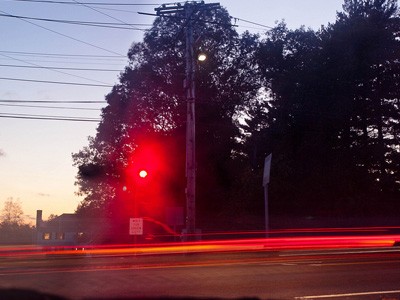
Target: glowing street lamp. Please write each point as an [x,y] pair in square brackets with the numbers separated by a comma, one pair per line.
[201,57]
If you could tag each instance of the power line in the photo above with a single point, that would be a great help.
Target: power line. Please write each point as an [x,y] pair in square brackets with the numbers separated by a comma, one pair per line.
[91,3]
[98,5]
[55,82]
[59,68]
[82,23]
[46,117]
[249,27]
[213,22]
[129,4]
[78,56]
[67,59]
[100,12]
[254,23]
[118,10]
[49,107]
[70,62]
[53,101]
[53,70]
[67,36]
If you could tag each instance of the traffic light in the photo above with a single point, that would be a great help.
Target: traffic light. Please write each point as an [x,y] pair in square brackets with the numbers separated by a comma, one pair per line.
[143,174]
[135,177]
[146,162]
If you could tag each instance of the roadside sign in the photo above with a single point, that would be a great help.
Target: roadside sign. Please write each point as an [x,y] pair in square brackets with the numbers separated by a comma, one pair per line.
[267,169]
[136,226]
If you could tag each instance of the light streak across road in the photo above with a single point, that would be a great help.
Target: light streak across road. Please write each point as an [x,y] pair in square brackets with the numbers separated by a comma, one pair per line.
[348,295]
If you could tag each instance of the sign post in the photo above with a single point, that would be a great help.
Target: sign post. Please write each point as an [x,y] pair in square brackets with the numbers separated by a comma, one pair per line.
[266,177]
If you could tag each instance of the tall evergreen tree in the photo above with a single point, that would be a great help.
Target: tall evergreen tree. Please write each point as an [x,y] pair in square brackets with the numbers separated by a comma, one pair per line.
[334,117]
[361,51]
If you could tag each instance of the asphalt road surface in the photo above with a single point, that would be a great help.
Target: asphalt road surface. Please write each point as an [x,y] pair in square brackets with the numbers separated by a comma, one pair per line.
[372,273]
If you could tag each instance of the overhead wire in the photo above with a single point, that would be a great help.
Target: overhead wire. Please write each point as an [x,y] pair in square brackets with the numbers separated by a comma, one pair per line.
[53,58]
[68,62]
[59,68]
[46,117]
[91,3]
[82,23]
[117,10]
[66,36]
[213,22]
[69,56]
[53,70]
[11,103]
[55,82]
[251,22]
[99,24]
[98,6]
[103,13]
[53,101]
[49,107]
[128,4]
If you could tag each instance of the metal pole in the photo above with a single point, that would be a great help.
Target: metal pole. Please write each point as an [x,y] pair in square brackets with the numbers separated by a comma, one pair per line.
[266,210]
[266,178]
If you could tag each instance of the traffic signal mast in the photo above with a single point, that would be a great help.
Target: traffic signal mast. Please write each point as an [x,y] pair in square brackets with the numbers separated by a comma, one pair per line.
[189,9]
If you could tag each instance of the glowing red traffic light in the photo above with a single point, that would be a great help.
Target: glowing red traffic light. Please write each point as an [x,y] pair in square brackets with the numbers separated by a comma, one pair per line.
[143,174]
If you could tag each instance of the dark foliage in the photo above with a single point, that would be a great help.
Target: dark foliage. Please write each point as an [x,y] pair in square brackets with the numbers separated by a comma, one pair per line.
[148,106]
[333,113]
[324,103]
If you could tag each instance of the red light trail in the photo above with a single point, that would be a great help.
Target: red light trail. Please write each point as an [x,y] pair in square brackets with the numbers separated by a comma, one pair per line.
[228,245]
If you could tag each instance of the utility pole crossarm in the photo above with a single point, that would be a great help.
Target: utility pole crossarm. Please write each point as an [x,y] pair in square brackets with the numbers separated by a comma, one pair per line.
[168,9]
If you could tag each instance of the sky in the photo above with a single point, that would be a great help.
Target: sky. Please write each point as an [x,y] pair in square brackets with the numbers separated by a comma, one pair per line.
[63,63]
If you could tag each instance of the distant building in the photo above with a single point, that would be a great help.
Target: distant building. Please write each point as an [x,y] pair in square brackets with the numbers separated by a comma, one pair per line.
[69,229]
[73,229]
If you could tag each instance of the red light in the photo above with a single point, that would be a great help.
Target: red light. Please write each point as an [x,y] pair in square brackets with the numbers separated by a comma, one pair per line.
[143,174]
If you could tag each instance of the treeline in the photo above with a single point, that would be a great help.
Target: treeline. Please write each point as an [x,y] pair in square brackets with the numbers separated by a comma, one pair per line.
[324,103]
[14,235]
[13,229]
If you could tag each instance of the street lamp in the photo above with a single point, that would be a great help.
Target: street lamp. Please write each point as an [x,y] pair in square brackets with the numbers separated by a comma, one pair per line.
[201,57]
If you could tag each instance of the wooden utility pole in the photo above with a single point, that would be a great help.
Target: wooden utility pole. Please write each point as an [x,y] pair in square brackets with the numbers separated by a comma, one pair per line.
[188,10]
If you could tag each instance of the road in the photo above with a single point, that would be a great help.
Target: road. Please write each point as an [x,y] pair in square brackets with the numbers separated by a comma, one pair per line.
[360,273]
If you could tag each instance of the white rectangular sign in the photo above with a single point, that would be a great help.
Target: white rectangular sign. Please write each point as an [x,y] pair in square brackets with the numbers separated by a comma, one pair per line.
[136,226]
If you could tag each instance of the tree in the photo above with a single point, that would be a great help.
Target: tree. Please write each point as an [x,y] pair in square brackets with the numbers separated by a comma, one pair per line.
[13,230]
[332,116]
[12,214]
[148,106]
[365,41]
[52,217]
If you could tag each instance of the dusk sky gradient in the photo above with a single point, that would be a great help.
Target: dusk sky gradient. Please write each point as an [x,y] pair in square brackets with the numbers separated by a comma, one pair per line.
[35,155]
